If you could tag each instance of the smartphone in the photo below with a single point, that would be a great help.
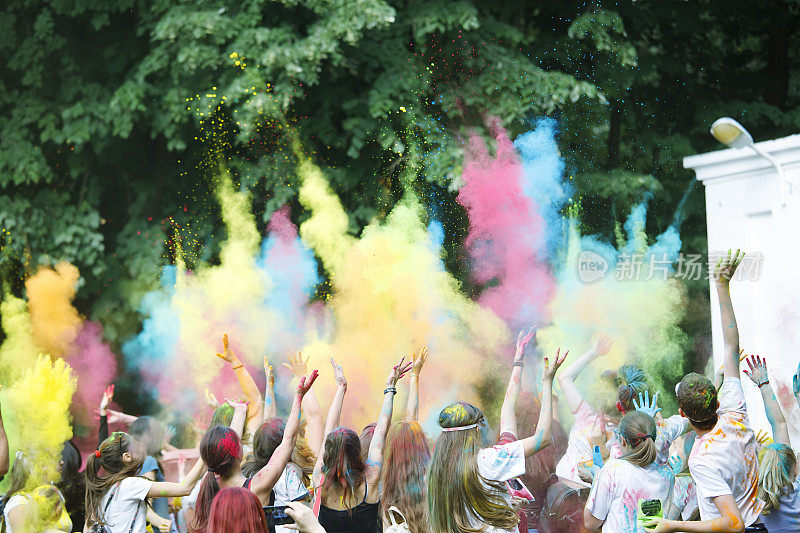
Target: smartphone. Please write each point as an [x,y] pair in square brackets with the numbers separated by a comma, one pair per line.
[649,509]
[276,515]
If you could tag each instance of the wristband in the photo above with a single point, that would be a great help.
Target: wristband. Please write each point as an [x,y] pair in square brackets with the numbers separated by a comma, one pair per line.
[390,389]
[236,367]
[762,384]
[518,363]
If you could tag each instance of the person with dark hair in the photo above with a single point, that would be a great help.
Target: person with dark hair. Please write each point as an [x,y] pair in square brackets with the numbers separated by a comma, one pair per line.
[290,486]
[236,510]
[221,451]
[723,462]
[72,484]
[115,494]
[347,489]
[466,482]
[623,484]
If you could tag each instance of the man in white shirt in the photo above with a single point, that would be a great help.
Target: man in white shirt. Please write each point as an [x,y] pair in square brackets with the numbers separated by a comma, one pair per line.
[723,462]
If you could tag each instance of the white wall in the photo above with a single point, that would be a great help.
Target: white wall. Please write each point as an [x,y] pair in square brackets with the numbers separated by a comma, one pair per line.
[744,211]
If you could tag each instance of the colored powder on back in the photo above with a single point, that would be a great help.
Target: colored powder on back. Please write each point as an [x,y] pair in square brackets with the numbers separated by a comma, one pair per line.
[36,416]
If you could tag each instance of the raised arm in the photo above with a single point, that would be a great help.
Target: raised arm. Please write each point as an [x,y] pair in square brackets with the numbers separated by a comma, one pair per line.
[108,395]
[313,410]
[758,374]
[375,454]
[255,409]
[266,478]
[270,409]
[239,416]
[723,272]
[567,378]
[412,406]
[334,414]
[542,436]
[508,412]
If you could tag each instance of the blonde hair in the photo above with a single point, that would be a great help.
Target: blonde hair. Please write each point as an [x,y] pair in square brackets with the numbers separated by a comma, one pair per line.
[639,431]
[458,495]
[776,463]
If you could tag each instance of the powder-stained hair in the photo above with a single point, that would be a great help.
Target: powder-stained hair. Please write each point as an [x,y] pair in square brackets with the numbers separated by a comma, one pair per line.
[342,465]
[775,466]
[115,470]
[267,438]
[220,450]
[458,495]
[406,459]
[236,509]
[697,398]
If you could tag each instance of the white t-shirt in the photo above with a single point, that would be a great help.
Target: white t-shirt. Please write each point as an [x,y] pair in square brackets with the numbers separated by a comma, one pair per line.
[667,430]
[501,463]
[127,505]
[684,496]
[579,445]
[15,501]
[289,488]
[786,518]
[724,460]
[619,486]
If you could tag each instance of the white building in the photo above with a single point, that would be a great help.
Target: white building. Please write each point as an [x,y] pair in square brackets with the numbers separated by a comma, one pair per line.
[745,209]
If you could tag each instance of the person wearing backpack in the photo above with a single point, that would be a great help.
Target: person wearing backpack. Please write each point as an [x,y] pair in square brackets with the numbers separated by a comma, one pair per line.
[115,498]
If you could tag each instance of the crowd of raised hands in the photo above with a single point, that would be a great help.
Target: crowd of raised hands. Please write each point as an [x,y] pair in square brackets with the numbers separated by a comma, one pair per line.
[621,465]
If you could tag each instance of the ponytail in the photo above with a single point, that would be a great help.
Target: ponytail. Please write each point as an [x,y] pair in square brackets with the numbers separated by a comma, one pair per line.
[639,431]
[114,469]
[776,463]
[220,449]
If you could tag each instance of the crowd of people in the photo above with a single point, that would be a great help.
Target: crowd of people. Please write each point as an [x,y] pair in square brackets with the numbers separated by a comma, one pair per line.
[622,466]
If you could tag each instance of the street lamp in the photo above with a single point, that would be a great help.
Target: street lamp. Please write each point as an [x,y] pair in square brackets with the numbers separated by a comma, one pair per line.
[732,134]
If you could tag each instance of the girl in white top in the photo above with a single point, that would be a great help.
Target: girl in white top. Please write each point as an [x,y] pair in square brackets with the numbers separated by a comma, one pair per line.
[115,499]
[778,486]
[466,490]
[623,484]
[17,503]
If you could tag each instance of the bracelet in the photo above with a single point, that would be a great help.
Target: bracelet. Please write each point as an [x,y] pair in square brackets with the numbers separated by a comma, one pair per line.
[762,384]
[390,389]
[518,363]
[237,367]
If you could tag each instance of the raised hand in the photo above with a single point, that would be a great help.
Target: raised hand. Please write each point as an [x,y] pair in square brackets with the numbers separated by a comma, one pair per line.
[522,341]
[268,372]
[603,344]
[211,400]
[398,371]
[758,370]
[726,266]
[297,365]
[338,374]
[305,383]
[645,405]
[763,438]
[418,360]
[108,395]
[676,463]
[227,354]
[550,371]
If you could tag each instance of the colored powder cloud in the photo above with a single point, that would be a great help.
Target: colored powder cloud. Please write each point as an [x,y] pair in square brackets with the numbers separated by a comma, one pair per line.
[390,295]
[17,352]
[640,310]
[257,294]
[55,321]
[507,237]
[36,416]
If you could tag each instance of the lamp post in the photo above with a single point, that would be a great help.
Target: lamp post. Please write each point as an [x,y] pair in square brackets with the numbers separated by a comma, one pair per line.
[732,134]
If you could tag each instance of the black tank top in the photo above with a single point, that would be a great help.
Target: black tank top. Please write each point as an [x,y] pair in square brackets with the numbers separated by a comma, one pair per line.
[363,518]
